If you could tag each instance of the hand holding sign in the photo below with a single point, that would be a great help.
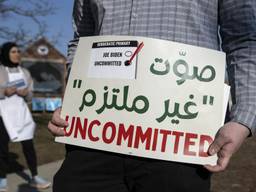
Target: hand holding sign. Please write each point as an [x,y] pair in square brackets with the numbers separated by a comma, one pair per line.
[227,141]
[56,125]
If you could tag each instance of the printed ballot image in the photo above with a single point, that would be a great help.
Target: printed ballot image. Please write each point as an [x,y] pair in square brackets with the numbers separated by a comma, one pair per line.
[110,59]
[145,97]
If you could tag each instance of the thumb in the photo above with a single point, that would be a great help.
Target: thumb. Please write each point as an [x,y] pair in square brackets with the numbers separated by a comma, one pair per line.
[217,144]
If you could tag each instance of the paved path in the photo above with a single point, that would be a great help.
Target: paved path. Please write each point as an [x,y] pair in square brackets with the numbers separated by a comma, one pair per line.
[18,182]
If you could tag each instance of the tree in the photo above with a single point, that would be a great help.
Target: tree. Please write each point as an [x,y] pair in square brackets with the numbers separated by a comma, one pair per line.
[33,10]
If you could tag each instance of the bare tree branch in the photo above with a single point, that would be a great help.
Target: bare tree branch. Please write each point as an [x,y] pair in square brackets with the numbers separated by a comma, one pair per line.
[31,9]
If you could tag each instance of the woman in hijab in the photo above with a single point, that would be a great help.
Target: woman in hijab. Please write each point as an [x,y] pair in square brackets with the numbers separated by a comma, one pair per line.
[16,123]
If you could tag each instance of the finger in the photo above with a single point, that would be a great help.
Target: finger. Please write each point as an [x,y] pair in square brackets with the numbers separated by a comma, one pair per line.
[55,130]
[222,164]
[217,144]
[57,120]
[223,159]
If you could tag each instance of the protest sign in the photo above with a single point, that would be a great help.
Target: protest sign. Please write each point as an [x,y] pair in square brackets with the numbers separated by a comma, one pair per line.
[145,97]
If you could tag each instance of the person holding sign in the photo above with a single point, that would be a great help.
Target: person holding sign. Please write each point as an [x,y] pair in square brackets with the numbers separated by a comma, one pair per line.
[189,22]
[16,123]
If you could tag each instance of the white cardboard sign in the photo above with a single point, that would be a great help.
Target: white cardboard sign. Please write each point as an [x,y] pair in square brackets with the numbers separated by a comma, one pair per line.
[168,104]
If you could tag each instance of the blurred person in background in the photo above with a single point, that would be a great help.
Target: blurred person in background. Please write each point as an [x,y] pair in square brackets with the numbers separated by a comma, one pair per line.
[16,122]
